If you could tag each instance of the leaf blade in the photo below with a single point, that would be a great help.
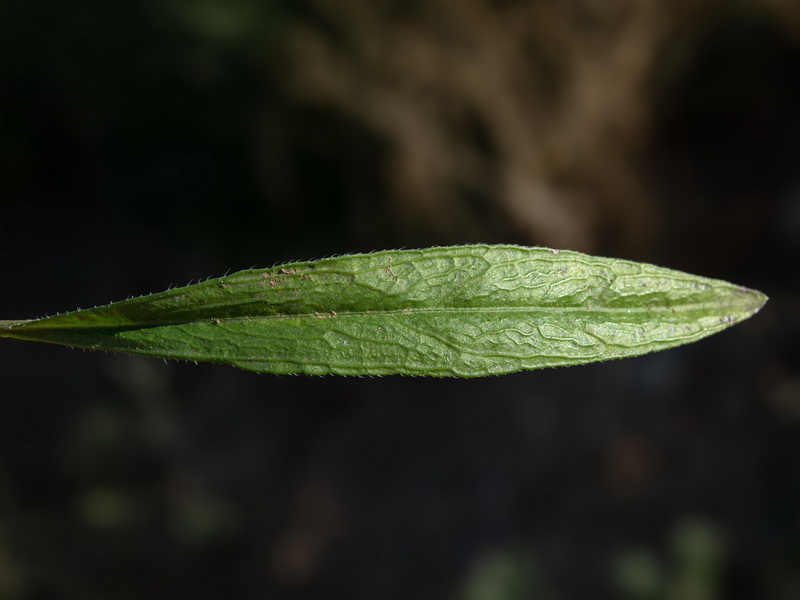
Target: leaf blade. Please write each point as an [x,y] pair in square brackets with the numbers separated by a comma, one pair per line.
[451,311]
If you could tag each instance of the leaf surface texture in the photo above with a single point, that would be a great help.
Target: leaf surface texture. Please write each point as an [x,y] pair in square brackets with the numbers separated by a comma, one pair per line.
[465,311]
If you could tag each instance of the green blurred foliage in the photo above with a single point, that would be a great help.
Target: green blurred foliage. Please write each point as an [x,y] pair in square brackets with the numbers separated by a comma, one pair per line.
[692,569]
[505,574]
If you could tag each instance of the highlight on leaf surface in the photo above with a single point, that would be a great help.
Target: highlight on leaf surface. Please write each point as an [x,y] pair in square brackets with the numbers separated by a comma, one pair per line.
[464,311]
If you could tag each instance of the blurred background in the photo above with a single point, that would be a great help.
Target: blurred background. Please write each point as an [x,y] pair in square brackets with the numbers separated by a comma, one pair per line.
[148,143]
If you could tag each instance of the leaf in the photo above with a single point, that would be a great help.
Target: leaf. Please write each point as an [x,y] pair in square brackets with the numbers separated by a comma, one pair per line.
[465,311]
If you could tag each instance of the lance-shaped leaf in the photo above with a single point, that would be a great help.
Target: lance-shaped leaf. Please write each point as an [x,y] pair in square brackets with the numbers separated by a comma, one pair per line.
[463,311]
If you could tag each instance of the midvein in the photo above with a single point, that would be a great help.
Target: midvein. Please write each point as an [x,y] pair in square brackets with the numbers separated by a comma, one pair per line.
[210,318]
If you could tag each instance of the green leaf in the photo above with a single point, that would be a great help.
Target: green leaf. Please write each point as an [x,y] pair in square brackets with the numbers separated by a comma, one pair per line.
[463,311]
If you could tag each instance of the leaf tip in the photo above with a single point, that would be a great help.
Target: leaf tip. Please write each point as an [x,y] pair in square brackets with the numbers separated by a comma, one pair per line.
[756,300]
[746,304]
[6,325]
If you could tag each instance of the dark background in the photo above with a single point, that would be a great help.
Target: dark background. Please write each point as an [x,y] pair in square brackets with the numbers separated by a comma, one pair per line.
[144,144]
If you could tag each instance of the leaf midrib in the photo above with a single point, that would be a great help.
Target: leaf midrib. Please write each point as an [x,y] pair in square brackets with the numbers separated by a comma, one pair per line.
[210,319]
